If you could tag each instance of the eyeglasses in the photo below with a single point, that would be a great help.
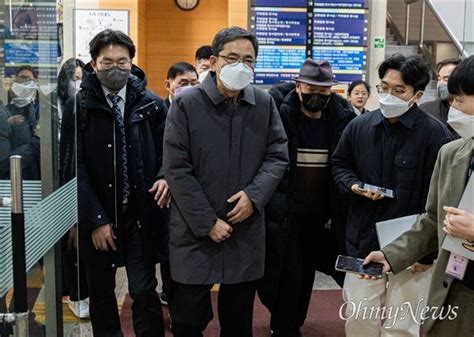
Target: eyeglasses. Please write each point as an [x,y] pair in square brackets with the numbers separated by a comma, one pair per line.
[385,90]
[231,59]
[122,64]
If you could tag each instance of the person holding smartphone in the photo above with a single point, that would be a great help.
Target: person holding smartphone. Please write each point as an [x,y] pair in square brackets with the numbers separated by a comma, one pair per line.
[394,148]
[454,167]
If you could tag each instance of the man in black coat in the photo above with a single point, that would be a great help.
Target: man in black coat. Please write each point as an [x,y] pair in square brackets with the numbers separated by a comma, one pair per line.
[120,181]
[307,211]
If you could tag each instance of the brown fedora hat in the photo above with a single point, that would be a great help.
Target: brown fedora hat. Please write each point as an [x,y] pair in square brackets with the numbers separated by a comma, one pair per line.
[316,73]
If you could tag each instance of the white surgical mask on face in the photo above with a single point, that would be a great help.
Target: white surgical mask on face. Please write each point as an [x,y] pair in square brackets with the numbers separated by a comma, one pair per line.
[77,84]
[391,106]
[203,75]
[443,92]
[24,90]
[462,123]
[236,76]
[180,90]
[21,102]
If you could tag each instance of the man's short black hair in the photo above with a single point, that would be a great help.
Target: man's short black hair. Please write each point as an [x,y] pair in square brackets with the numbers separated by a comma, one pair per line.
[445,62]
[414,69]
[29,68]
[180,68]
[461,80]
[231,34]
[110,37]
[203,53]
[356,83]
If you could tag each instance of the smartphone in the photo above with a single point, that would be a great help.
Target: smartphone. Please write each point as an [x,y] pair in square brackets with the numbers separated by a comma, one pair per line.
[388,193]
[350,264]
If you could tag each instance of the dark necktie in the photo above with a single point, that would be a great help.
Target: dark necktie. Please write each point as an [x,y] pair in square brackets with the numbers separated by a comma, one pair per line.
[123,145]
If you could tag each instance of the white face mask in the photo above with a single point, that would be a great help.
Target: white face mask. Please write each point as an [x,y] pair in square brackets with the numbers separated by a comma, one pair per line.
[236,76]
[203,75]
[392,106]
[24,90]
[21,102]
[77,85]
[180,90]
[462,123]
[443,92]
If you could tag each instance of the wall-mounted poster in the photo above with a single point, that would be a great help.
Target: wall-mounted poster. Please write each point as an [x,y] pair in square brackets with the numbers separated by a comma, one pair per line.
[30,37]
[89,22]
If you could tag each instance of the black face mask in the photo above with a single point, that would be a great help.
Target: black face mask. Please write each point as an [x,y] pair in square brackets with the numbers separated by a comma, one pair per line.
[114,78]
[315,102]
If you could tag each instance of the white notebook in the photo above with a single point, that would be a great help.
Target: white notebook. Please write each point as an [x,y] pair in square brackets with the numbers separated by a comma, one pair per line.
[463,247]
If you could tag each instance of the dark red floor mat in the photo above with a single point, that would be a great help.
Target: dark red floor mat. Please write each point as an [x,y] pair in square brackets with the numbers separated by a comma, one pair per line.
[323,317]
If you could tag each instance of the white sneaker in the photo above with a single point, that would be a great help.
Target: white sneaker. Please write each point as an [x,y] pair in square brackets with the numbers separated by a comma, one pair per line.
[80,309]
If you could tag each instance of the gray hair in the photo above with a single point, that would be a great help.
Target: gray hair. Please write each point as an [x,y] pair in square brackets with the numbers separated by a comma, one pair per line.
[231,34]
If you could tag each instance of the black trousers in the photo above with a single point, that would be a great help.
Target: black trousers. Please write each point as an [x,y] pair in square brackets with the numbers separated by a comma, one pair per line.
[73,273]
[165,276]
[311,247]
[191,309]
[146,308]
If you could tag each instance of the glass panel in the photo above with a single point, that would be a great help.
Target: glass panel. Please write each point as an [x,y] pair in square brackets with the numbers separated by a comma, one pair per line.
[457,26]
[37,100]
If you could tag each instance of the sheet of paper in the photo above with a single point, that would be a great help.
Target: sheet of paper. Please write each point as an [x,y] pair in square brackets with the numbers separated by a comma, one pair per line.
[458,246]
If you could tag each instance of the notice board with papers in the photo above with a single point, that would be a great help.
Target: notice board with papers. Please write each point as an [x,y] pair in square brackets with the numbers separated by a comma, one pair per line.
[289,31]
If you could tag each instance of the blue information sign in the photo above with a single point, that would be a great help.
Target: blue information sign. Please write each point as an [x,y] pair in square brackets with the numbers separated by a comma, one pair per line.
[338,28]
[289,31]
[341,59]
[280,27]
[280,58]
[273,78]
[31,52]
[276,64]
[280,3]
[340,4]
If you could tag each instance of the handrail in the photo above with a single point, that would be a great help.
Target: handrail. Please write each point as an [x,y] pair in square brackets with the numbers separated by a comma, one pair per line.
[407,24]
[448,31]
[394,28]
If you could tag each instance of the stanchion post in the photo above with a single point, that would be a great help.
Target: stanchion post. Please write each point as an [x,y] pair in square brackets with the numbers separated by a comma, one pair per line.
[20,300]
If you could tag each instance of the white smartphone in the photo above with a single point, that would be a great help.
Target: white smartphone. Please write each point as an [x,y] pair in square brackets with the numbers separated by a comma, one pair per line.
[388,193]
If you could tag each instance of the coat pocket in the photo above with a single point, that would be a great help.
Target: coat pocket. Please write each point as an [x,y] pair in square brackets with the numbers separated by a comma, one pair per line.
[405,167]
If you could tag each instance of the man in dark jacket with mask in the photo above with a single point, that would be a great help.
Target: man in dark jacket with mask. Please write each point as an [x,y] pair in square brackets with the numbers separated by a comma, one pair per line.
[120,181]
[394,148]
[224,154]
[440,106]
[19,134]
[307,202]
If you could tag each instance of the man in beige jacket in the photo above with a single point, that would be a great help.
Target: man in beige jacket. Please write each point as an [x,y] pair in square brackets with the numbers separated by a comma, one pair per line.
[450,300]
